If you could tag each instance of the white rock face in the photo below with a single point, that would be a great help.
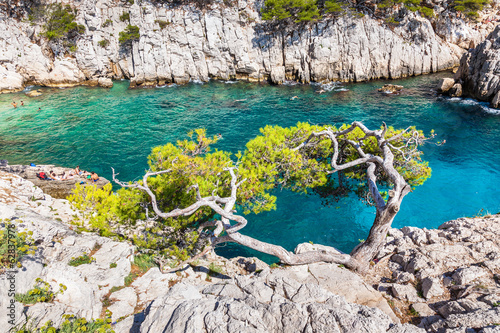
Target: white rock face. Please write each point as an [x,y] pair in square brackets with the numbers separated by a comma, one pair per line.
[480,70]
[230,43]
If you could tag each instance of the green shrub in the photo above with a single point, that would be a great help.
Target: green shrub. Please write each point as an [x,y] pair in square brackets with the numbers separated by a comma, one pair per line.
[297,10]
[214,269]
[145,262]
[125,16]
[14,245]
[130,34]
[81,260]
[103,43]
[41,292]
[61,23]
[470,7]
[70,324]
[114,289]
[113,265]
[107,23]
[426,11]
[333,7]
[162,24]
[391,20]
[130,278]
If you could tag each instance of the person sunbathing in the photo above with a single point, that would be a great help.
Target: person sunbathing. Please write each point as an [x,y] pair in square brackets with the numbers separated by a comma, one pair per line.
[94,177]
[68,175]
[53,176]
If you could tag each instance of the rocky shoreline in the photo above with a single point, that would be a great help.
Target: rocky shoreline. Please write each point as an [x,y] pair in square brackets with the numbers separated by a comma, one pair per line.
[443,280]
[232,42]
[479,73]
[59,189]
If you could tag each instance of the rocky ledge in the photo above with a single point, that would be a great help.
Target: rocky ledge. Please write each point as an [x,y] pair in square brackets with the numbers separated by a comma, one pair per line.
[447,275]
[59,189]
[447,279]
[479,73]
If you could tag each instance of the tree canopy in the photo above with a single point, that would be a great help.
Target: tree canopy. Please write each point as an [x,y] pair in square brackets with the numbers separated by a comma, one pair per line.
[189,197]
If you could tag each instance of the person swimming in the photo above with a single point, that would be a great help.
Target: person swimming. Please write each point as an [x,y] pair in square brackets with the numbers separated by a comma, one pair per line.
[22,103]
[14,104]
[294,97]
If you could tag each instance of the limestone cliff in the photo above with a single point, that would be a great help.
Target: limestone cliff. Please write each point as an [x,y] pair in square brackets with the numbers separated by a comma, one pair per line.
[479,70]
[179,43]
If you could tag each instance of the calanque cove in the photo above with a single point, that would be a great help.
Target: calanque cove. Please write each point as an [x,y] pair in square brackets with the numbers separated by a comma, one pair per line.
[250,166]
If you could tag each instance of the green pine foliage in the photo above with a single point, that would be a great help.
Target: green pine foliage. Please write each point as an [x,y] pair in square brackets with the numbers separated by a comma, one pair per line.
[411,5]
[162,24]
[107,23]
[334,7]
[103,43]
[130,34]
[125,16]
[61,23]
[297,10]
[268,162]
[470,7]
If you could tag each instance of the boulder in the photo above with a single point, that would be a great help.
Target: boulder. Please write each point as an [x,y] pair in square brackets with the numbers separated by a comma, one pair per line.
[450,308]
[431,287]
[466,275]
[34,93]
[445,85]
[423,309]
[405,292]
[391,89]
[456,90]
[105,82]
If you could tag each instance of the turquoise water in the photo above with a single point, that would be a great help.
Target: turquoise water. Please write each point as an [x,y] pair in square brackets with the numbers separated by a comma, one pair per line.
[99,129]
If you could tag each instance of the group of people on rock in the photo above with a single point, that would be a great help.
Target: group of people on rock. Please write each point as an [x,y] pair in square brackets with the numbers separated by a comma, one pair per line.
[71,174]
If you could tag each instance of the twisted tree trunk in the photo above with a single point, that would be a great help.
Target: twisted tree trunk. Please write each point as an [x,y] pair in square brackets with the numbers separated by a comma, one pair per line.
[361,256]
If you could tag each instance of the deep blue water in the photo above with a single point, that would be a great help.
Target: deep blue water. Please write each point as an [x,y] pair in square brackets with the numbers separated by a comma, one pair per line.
[99,129]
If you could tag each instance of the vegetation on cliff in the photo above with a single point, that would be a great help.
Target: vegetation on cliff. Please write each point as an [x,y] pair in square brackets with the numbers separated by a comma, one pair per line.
[14,245]
[130,34]
[59,24]
[311,10]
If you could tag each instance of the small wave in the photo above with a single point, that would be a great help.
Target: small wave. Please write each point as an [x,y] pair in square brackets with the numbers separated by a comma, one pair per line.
[330,86]
[290,83]
[230,82]
[472,102]
[196,81]
[169,85]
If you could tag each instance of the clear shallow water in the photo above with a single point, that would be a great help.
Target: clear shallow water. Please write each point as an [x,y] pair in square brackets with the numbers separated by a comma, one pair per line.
[99,129]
